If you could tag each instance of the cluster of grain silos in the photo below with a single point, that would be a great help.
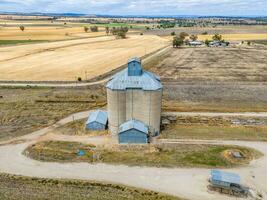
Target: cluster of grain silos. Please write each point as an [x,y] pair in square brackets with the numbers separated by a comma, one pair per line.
[134,94]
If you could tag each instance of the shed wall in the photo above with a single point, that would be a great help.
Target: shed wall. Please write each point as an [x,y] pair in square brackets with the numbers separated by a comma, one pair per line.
[95,126]
[133,136]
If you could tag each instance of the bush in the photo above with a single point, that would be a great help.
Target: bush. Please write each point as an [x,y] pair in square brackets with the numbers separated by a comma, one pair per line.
[177,42]
[94,28]
[86,29]
[79,79]
[173,33]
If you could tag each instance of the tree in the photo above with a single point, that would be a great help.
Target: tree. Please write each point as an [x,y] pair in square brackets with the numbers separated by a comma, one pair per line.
[22,28]
[183,35]
[94,28]
[177,42]
[86,29]
[173,33]
[79,79]
[107,30]
[207,42]
[249,43]
[121,34]
[193,37]
[217,37]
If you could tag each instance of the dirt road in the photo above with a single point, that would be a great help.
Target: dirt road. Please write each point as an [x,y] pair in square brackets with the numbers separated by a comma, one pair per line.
[188,183]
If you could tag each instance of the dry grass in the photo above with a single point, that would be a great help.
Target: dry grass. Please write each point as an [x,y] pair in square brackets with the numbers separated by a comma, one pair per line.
[237,37]
[37,188]
[23,111]
[67,60]
[213,64]
[46,32]
[211,128]
[78,128]
[164,155]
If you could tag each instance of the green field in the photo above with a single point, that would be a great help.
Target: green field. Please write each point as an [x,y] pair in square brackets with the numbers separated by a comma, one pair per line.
[14,42]
[134,26]
[164,155]
[18,187]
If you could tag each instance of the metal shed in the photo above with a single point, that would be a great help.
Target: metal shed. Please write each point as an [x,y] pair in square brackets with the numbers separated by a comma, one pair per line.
[224,179]
[133,132]
[97,120]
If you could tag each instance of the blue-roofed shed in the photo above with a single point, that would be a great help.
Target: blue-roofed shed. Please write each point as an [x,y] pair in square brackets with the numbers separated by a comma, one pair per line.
[133,132]
[97,120]
[224,179]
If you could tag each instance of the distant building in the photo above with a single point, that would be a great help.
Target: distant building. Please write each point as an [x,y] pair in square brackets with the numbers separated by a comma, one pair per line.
[97,120]
[217,43]
[134,94]
[133,132]
[195,43]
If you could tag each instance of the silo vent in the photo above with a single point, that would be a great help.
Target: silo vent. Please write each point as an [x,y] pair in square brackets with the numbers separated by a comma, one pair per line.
[134,67]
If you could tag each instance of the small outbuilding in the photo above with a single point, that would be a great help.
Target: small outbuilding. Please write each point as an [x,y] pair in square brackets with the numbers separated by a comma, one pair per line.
[133,132]
[224,179]
[97,120]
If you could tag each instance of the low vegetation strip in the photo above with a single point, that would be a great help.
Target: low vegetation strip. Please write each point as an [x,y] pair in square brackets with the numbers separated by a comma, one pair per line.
[164,155]
[15,42]
[18,187]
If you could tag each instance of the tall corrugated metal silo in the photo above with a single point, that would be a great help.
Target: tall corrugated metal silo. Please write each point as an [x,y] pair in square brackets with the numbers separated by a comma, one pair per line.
[134,94]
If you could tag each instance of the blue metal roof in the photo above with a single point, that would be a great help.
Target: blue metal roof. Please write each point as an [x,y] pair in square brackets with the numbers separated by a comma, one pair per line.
[218,175]
[135,80]
[134,60]
[133,124]
[98,116]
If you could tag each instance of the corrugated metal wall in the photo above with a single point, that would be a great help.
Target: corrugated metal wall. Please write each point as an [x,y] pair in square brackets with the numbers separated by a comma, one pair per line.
[95,126]
[134,104]
[133,137]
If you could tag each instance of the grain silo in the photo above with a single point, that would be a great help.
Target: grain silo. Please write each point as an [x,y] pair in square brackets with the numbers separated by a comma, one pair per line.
[134,94]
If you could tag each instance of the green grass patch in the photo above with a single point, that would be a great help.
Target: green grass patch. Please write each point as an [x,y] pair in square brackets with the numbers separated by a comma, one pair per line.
[110,25]
[163,155]
[16,42]
[19,187]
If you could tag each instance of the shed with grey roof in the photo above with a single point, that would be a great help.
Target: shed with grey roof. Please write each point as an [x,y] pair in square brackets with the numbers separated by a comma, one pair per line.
[134,93]
[225,179]
[133,132]
[97,120]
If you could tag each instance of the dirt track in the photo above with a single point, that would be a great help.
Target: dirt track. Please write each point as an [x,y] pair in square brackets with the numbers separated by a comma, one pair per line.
[187,183]
[67,60]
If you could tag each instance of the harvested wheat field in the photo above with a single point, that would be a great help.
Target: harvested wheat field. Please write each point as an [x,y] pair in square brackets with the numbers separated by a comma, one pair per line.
[237,37]
[46,32]
[67,60]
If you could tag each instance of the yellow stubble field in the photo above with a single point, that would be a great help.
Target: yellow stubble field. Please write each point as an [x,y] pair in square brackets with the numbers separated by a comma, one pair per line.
[67,60]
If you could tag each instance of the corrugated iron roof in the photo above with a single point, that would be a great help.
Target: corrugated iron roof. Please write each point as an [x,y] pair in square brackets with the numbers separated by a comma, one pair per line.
[134,59]
[98,116]
[146,81]
[133,124]
[225,176]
